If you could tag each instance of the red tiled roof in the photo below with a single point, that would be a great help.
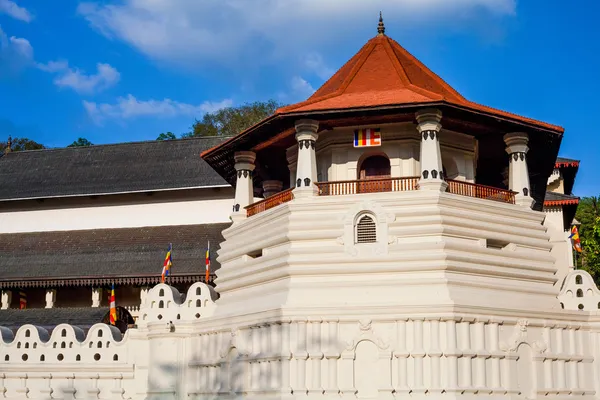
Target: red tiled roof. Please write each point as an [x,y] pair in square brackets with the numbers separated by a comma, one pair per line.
[553,203]
[384,73]
[566,163]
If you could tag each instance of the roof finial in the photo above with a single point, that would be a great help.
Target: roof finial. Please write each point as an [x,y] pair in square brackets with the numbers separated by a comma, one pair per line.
[8,145]
[380,27]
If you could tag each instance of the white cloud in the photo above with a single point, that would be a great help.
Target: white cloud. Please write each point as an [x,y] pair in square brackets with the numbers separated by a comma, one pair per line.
[15,53]
[129,107]
[105,77]
[314,62]
[12,9]
[301,87]
[191,31]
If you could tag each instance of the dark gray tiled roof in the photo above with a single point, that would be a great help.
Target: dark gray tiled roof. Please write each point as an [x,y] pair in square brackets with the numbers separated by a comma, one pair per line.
[553,196]
[50,317]
[102,256]
[565,160]
[105,169]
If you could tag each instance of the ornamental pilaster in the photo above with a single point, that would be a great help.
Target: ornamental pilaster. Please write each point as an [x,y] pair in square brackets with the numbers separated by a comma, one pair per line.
[518,172]
[306,167]
[244,188]
[432,171]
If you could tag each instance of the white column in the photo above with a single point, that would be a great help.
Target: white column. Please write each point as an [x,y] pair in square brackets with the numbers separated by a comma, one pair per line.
[271,188]
[306,167]
[96,297]
[6,299]
[244,188]
[518,173]
[432,171]
[50,298]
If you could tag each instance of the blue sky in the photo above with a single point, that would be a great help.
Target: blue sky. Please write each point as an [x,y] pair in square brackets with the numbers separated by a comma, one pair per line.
[127,70]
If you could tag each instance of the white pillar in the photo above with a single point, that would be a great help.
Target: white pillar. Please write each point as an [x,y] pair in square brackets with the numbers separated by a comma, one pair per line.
[6,299]
[306,167]
[244,188]
[518,173]
[50,298]
[96,297]
[432,170]
[271,188]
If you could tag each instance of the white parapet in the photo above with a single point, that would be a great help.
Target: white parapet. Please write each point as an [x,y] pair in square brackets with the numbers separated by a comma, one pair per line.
[439,305]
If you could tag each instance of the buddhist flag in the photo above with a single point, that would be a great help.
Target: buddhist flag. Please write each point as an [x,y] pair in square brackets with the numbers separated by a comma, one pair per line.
[208,262]
[167,264]
[575,238]
[22,300]
[367,137]
[113,307]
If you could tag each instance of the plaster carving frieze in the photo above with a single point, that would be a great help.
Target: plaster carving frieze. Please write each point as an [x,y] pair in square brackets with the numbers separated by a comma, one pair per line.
[231,344]
[366,332]
[520,335]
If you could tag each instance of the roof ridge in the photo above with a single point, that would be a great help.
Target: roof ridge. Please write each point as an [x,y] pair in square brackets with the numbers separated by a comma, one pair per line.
[66,148]
[423,68]
[363,54]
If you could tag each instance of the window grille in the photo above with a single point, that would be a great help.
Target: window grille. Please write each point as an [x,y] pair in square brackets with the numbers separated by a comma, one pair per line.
[366,231]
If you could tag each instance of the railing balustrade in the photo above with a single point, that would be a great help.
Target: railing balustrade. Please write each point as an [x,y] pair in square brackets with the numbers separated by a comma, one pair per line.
[270,202]
[377,185]
[481,191]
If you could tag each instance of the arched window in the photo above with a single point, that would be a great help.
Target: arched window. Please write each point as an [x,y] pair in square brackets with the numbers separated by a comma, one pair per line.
[375,167]
[366,230]
[579,293]
[578,280]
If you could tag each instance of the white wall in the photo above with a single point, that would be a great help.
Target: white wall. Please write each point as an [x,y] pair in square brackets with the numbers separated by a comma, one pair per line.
[338,160]
[562,249]
[189,212]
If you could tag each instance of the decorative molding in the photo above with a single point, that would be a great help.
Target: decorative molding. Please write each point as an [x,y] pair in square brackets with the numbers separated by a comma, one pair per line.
[520,336]
[366,332]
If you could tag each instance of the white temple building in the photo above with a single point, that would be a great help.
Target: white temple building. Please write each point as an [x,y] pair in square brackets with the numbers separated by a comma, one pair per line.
[404,248]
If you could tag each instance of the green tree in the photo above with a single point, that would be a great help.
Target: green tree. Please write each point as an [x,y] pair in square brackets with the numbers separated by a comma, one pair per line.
[230,121]
[20,144]
[81,142]
[166,136]
[588,214]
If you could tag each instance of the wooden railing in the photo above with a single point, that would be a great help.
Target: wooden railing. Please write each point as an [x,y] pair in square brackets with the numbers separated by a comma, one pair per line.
[336,188]
[481,191]
[269,202]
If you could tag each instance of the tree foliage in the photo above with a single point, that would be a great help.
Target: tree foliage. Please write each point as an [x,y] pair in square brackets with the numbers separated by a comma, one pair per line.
[230,121]
[588,214]
[20,144]
[81,142]
[166,136]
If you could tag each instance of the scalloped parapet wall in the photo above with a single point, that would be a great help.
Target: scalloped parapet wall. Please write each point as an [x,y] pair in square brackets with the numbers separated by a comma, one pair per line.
[579,292]
[68,363]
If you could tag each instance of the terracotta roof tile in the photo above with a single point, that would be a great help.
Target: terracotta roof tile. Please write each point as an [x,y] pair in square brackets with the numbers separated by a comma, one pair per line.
[384,73]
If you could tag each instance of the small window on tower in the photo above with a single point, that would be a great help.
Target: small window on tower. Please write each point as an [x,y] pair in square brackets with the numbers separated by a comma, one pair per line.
[366,230]
[578,280]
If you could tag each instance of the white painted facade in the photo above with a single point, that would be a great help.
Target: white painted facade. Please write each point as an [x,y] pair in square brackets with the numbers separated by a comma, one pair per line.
[337,161]
[206,207]
[455,298]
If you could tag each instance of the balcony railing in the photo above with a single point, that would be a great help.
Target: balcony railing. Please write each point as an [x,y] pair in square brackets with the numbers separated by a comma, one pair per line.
[481,191]
[336,188]
[270,202]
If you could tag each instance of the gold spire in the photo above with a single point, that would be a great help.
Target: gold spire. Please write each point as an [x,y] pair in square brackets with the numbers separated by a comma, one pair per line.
[8,145]
[380,27]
